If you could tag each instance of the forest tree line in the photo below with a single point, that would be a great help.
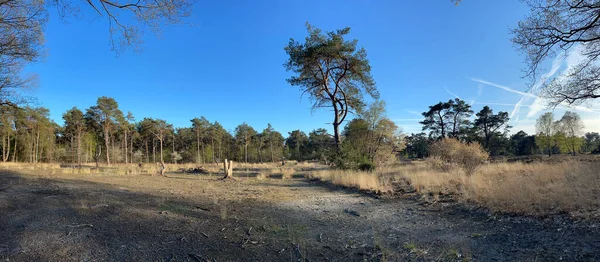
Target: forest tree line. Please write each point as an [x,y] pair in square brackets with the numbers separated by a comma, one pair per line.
[102,133]
[455,119]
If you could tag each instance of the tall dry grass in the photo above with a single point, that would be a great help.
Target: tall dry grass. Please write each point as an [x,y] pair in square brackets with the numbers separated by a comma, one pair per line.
[352,179]
[531,189]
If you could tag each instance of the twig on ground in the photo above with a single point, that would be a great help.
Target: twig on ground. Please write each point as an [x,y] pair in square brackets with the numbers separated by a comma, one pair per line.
[300,252]
[198,257]
[82,225]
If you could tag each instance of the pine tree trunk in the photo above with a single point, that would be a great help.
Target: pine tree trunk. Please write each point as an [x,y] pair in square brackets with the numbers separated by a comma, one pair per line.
[246,153]
[198,148]
[131,149]
[3,149]
[15,152]
[126,147]
[107,145]
[212,141]
[147,153]
[79,147]
[153,151]
[336,129]
[7,148]
[272,156]
[37,145]
[161,151]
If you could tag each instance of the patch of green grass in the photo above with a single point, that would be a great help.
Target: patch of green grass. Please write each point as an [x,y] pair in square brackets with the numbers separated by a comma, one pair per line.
[410,246]
[474,235]
[452,253]
[173,208]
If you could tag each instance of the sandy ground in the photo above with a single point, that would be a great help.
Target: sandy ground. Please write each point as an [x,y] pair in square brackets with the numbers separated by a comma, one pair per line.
[201,218]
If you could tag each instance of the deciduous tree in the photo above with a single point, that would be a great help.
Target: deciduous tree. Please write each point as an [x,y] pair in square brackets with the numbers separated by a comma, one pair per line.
[555,28]
[544,127]
[571,125]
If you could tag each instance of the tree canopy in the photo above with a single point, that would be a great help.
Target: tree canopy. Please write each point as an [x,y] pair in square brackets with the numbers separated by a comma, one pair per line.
[333,71]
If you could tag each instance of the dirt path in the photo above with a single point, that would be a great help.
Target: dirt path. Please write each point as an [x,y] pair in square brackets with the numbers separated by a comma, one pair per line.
[192,218]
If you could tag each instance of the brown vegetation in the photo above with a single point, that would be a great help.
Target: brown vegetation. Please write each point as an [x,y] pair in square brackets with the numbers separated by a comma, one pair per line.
[449,153]
[530,189]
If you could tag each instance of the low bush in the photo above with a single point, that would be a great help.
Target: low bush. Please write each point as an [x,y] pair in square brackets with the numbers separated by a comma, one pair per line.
[449,153]
[366,166]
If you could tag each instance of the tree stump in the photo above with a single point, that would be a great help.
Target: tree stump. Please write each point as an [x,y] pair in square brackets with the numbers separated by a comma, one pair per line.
[228,169]
[163,168]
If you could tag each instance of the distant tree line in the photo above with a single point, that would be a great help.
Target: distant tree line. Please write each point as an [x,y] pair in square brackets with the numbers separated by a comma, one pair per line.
[454,119]
[102,133]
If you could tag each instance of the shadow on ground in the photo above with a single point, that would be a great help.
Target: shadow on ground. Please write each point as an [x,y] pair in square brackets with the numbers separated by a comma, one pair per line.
[57,219]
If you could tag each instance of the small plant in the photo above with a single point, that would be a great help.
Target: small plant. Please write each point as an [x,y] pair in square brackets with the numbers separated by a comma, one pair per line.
[410,246]
[286,173]
[366,166]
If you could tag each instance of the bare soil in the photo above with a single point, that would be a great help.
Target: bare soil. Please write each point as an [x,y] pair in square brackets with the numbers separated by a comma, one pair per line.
[202,218]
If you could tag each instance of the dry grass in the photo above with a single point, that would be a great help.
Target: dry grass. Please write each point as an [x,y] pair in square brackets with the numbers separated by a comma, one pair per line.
[538,188]
[530,189]
[352,179]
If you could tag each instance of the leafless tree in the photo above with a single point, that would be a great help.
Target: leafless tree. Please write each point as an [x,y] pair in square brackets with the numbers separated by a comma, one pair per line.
[151,14]
[555,27]
[21,38]
[22,25]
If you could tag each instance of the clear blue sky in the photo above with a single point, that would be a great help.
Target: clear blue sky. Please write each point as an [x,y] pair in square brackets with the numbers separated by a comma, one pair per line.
[227,64]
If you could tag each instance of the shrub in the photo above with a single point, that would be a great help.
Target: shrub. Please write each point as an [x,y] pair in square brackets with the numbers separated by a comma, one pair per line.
[366,166]
[451,152]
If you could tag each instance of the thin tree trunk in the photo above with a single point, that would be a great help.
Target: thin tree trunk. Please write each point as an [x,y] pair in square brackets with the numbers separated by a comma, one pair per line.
[212,141]
[37,145]
[3,149]
[161,151]
[15,152]
[7,148]
[202,154]
[79,147]
[126,147]
[153,150]
[147,152]
[198,147]
[272,156]
[72,150]
[173,154]
[131,148]
[246,153]
[260,152]
[107,145]
[220,153]
[336,128]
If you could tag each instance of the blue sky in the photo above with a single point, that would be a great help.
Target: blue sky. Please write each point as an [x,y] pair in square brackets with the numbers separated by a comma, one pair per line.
[226,63]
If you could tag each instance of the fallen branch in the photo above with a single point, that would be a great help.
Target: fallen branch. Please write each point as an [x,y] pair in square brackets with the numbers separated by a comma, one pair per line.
[82,225]
[198,257]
